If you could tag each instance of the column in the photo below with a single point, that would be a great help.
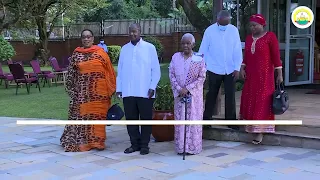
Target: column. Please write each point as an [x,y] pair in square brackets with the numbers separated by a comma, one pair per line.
[259,4]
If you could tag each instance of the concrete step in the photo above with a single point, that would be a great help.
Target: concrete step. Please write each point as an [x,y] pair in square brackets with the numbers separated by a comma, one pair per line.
[280,138]
[303,129]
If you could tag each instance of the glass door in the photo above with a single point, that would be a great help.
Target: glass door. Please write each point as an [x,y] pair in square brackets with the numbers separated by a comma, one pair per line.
[299,48]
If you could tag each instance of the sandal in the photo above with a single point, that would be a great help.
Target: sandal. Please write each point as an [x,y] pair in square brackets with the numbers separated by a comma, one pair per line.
[258,139]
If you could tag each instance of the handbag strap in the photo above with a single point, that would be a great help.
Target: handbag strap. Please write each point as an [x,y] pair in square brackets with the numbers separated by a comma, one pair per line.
[280,86]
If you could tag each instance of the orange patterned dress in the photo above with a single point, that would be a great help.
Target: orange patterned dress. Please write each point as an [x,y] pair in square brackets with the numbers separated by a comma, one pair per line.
[91,81]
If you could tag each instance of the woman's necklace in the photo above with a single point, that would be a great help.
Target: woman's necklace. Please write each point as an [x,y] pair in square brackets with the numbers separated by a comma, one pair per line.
[255,39]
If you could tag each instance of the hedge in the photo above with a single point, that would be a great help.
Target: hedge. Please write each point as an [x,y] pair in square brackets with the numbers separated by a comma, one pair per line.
[156,43]
[114,53]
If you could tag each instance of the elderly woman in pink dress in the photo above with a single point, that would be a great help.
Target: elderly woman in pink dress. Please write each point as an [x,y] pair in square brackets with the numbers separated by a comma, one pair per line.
[187,74]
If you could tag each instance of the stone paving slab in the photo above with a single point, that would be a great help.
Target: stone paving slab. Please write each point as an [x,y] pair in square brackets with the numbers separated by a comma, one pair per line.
[33,152]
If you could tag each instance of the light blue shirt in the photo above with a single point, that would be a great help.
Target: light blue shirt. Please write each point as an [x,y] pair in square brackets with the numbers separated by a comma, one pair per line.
[105,47]
[222,49]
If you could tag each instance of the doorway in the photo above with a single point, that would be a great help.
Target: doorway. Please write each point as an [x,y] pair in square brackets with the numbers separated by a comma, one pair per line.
[299,46]
[316,73]
[292,40]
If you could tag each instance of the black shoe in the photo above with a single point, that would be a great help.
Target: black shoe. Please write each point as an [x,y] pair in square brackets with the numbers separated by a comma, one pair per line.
[144,151]
[234,127]
[131,150]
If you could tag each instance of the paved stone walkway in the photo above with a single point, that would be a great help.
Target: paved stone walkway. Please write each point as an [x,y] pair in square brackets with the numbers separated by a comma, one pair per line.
[33,152]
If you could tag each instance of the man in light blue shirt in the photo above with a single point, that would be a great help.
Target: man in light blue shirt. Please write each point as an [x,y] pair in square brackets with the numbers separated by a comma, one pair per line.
[103,45]
[221,46]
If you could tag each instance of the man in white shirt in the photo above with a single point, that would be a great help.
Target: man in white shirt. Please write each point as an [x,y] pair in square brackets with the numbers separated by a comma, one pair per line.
[221,46]
[138,76]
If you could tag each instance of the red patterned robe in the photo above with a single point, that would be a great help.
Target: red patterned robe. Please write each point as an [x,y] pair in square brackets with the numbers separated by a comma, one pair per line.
[261,58]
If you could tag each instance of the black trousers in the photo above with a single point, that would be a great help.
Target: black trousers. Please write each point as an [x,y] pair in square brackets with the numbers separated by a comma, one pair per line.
[136,108]
[215,81]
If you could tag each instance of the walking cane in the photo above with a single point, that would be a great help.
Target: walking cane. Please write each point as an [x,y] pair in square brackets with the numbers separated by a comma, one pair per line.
[186,100]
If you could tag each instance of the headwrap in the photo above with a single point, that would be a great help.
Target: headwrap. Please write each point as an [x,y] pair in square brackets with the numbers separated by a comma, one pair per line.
[258,18]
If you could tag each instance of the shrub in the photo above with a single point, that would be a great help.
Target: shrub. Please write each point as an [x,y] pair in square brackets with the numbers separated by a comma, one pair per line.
[6,50]
[164,98]
[197,46]
[156,43]
[114,53]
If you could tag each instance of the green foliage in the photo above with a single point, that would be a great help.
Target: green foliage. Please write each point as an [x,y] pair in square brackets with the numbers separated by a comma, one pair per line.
[6,50]
[156,43]
[122,9]
[197,46]
[177,13]
[163,7]
[239,85]
[79,8]
[205,7]
[140,12]
[114,53]
[164,98]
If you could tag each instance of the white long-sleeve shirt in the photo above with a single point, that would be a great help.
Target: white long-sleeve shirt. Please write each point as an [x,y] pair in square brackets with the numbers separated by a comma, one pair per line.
[222,49]
[138,69]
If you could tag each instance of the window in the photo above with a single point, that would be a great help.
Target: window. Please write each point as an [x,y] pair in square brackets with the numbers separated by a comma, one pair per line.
[275,12]
[241,10]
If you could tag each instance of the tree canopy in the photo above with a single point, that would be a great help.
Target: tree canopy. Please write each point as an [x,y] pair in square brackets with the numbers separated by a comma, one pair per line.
[43,15]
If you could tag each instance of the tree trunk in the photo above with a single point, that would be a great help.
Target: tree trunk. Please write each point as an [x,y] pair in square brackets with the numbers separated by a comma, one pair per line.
[43,39]
[196,18]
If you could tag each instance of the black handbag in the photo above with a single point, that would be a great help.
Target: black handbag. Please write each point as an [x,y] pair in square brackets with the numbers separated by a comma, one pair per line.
[280,102]
[115,113]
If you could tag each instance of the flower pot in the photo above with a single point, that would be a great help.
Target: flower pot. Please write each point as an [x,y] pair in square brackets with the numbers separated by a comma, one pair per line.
[163,133]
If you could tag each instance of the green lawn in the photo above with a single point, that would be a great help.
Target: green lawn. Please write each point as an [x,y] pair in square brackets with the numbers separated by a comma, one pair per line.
[51,103]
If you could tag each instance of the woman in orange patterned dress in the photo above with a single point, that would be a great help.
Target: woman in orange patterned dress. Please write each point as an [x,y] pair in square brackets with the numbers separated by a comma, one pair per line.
[91,82]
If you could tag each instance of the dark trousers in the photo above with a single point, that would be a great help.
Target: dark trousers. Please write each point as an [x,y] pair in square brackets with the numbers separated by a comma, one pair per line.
[215,81]
[138,108]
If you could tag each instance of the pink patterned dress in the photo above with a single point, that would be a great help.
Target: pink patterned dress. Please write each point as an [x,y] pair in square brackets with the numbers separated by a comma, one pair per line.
[188,73]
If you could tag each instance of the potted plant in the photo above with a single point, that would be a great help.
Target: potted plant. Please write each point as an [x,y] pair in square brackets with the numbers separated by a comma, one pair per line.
[163,109]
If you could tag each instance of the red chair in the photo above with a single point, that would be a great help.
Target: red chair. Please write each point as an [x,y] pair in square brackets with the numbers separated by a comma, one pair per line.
[20,77]
[6,77]
[46,75]
[20,62]
[55,65]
